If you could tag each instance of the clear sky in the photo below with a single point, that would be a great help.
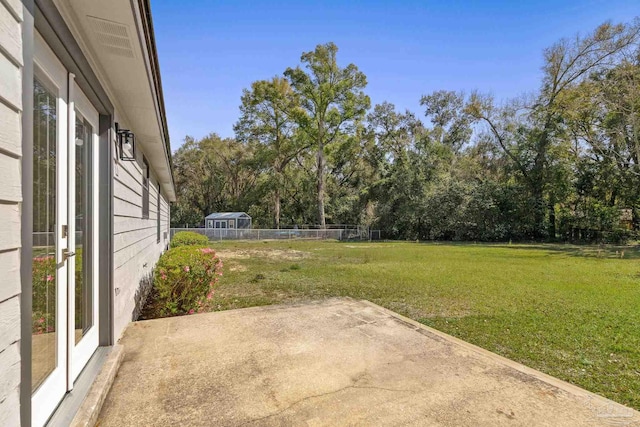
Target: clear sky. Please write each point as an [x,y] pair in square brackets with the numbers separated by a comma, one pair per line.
[210,50]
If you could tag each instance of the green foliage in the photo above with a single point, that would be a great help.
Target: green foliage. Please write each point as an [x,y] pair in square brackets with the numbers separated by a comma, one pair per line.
[266,123]
[44,291]
[184,279]
[332,102]
[44,294]
[188,238]
[558,164]
[212,175]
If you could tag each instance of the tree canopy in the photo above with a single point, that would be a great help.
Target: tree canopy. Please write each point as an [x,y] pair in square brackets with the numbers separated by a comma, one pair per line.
[561,163]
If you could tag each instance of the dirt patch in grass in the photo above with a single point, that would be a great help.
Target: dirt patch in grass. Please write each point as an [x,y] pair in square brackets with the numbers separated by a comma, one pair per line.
[415,312]
[234,266]
[278,254]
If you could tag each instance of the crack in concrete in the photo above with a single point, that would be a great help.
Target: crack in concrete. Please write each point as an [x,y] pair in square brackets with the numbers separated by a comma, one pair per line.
[297,402]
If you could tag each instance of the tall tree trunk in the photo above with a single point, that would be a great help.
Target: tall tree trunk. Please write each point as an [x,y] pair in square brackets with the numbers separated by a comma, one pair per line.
[537,178]
[614,197]
[276,209]
[540,209]
[320,172]
[552,219]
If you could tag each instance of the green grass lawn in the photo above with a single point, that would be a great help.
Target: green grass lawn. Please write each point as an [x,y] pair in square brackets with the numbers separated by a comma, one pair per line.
[572,312]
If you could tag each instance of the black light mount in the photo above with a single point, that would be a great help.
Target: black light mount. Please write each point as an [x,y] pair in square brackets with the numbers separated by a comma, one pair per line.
[126,143]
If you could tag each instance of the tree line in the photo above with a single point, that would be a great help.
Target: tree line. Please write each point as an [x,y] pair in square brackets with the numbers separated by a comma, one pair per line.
[560,163]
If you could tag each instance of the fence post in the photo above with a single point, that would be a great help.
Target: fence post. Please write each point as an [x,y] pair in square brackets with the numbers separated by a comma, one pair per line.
[258,234]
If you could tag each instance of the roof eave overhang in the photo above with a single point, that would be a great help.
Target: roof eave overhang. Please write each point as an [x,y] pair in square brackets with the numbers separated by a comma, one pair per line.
[143,12]
[130,77]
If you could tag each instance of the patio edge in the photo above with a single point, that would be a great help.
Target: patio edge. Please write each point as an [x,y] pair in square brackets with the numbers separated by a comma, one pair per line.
[600,405]
[87,415]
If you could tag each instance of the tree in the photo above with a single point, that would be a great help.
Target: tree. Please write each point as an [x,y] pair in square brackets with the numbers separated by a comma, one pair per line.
[265,121]
[602,116]
[400,188]
[567,63]
[451,123]
[332,102]
[563,162]
[212,174]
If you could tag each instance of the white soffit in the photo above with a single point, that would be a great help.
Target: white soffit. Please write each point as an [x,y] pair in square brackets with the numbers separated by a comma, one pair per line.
[111,33]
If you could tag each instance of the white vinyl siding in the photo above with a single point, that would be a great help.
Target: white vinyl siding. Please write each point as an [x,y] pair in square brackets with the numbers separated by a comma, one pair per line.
[10,198]
[136,249]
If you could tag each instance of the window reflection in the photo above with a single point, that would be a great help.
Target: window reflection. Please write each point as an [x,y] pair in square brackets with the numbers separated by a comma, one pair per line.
[83,286]
[44,282]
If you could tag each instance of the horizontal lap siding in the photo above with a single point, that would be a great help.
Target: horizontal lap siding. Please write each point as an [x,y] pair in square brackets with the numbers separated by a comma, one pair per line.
[10,198]
[136,249]
[10,141]
[10,268]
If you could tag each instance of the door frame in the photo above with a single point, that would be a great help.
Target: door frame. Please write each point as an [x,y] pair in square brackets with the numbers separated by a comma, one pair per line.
[223,227]
[70,358]
[52,74]
[44,18]
[80,353]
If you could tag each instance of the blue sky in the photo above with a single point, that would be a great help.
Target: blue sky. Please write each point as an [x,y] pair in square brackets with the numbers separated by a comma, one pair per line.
[210,50]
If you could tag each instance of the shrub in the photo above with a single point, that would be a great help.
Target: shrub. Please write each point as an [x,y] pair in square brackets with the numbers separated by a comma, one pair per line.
[44,294]
[618,236]
[184,279]
[189,238]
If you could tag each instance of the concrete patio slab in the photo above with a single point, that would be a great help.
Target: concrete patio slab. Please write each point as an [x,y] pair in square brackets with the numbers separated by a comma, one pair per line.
[337,362]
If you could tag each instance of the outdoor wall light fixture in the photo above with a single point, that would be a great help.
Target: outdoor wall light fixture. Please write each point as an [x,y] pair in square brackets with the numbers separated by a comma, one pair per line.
[126,143]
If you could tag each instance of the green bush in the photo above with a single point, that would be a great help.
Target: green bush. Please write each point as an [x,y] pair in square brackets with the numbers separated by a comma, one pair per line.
[189,238]
[44,294]
[618,236]
[184,280]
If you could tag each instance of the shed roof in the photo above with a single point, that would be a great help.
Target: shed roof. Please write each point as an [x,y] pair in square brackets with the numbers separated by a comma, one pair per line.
[227,215]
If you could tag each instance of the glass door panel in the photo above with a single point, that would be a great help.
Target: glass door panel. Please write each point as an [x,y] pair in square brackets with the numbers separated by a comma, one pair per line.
[83,316]
[65,224]
[50,239]
[83,222]
[49,330]
[45,278]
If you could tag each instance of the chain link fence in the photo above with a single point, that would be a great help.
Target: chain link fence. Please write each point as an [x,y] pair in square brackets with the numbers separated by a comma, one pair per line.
[216,234]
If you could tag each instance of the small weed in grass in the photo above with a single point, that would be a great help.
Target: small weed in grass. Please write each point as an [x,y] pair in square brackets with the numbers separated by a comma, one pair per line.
[258,277]
[292,267]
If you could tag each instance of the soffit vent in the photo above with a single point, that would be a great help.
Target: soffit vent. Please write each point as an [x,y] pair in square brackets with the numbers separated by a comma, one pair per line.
[113,37]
